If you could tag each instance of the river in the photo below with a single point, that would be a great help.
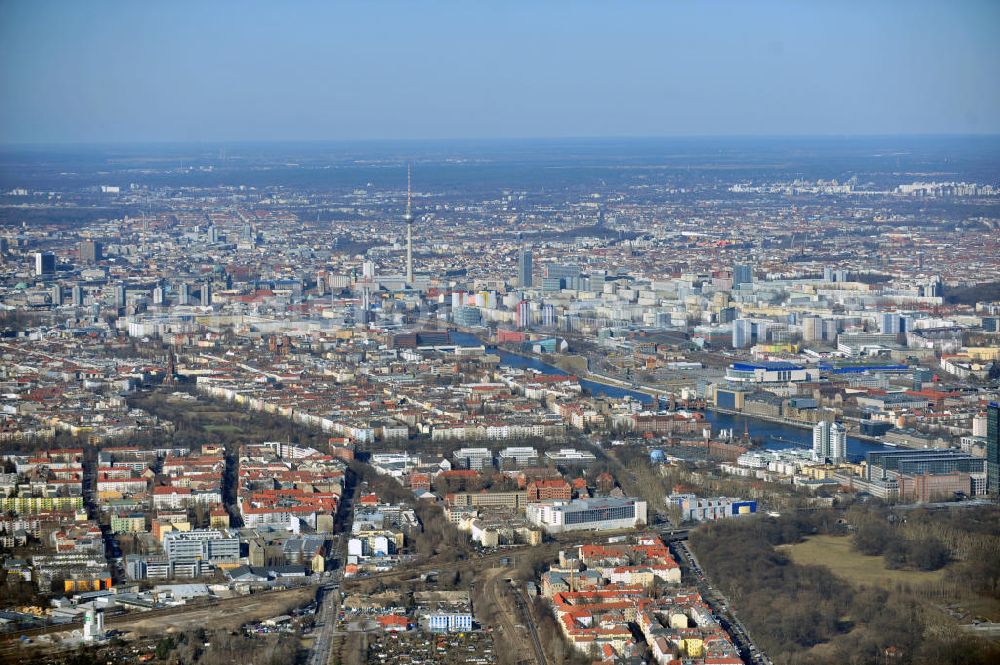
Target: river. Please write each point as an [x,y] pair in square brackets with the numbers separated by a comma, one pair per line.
[519,361]
[775,436]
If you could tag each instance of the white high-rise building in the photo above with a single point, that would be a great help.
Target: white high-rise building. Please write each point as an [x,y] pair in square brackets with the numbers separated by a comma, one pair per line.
[742,333]
[838,443]
[812,329]
[93,625]
[821,432]
[979,425]
[829,442]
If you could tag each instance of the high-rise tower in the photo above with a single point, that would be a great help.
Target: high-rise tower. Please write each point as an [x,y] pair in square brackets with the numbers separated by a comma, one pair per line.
[829,442]
[408,218]
[90,251]
[45,263]
[366,306]
[524,276]
[742,274]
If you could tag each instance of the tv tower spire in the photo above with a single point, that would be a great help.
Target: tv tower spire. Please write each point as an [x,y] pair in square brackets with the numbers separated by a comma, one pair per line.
[408,218]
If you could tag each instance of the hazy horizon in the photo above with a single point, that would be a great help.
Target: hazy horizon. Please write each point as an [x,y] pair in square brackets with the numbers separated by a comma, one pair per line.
[223,72]
[500,139]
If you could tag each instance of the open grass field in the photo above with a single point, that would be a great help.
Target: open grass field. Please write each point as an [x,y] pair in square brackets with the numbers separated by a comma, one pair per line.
[227,429]
[836,553]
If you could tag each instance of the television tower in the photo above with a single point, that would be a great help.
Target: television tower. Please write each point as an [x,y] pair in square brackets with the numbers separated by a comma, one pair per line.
[408,218]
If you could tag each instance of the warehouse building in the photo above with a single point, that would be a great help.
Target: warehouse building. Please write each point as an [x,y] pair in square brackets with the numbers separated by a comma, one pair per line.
[707,509]
[604,514]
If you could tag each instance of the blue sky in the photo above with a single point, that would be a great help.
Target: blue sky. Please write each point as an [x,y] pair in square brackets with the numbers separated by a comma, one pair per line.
[227,71]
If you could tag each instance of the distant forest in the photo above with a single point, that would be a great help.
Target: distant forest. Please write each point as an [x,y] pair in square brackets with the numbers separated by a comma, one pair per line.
[970,295]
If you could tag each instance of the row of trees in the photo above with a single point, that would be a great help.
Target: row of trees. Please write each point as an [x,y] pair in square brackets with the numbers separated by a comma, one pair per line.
[493,480]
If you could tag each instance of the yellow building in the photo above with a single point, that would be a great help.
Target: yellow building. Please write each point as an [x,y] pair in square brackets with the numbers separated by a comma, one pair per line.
[819,471]
[778,348]
[41,504]
[219,520]
[692,647]
[530,536]
[86,584]
[983,352]
[162,527]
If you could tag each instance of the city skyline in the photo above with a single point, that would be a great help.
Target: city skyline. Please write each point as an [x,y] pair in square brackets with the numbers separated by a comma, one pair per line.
[500,334]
